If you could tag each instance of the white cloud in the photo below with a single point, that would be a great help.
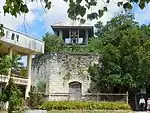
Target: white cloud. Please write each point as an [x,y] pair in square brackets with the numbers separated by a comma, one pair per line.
[113,9]
[58,13]
[12,22]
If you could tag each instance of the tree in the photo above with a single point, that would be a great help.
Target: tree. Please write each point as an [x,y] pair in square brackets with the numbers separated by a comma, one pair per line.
[53,43]
[10,92]
[5,64]
[17,66]
[127,18]
[35,99]
[12,95]
[124,56]
[76,8]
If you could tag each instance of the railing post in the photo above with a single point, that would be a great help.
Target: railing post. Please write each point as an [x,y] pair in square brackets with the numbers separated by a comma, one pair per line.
[96,96]
[9,71]
[127,95]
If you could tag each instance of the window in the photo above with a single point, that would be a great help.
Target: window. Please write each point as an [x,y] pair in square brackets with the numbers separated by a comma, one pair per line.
[7,34]
[12,36]
[17,36]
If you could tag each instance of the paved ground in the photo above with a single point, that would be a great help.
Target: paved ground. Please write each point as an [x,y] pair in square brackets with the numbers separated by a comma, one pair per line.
[142,112]
[94,112]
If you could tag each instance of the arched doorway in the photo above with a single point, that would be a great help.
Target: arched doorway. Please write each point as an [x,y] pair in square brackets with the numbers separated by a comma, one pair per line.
[75,91]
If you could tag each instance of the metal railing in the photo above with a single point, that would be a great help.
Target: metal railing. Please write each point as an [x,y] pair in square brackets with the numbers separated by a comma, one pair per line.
[93,97]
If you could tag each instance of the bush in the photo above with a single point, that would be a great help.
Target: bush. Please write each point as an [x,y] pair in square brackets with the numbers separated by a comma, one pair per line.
[84,105]
[35,99]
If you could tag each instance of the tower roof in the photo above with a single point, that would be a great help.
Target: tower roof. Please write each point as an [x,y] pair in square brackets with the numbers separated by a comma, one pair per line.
[67,25]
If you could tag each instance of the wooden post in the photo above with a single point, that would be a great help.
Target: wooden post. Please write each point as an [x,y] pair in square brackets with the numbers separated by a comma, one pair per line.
[86,36]
[70,36]
[97,96]
[60,33]
[78,37]
[127,95]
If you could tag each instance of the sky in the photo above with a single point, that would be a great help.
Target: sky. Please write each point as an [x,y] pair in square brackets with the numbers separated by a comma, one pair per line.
[38,21]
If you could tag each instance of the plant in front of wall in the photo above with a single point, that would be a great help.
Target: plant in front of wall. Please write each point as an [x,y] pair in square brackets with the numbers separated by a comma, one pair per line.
[41,86]
[81,73]
[35,99]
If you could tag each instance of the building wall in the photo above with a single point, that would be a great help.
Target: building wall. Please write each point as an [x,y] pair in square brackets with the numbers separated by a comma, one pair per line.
[21,40]
[59,69]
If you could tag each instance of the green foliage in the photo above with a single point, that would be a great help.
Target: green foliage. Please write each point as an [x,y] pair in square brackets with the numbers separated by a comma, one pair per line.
[16,64]
[41,86]
[75,48]
[75,10]
[75,13]
[35,99]
[67,76]
[124,55]
[12,95]
[95,45]
[15,7]
[84,105]
[5,64]
[1,30]
[53,43]
[23,72]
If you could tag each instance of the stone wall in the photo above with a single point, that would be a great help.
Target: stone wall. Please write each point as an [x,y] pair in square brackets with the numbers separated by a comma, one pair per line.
[57,70]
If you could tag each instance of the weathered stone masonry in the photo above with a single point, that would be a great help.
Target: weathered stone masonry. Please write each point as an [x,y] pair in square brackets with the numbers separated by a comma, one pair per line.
[57,70]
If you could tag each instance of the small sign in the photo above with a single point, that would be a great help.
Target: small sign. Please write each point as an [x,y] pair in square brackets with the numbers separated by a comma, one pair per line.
[143,91]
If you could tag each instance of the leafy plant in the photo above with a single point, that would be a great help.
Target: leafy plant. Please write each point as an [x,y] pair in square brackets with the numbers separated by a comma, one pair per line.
[67,76]
[41,86]
[12,95]
[35,99]
[52,43]
[84,105]
[56,44]
[23,72]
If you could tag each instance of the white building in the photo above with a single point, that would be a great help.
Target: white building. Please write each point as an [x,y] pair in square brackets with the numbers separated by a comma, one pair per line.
[18,43]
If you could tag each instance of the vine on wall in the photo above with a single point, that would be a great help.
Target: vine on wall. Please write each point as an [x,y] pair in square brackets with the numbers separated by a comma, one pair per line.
[74,68]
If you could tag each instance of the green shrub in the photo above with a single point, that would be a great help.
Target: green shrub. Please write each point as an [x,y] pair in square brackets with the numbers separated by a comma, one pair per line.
[35,99]
[84,105]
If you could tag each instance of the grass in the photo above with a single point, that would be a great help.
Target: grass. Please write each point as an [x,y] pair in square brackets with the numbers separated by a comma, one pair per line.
[90,111]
